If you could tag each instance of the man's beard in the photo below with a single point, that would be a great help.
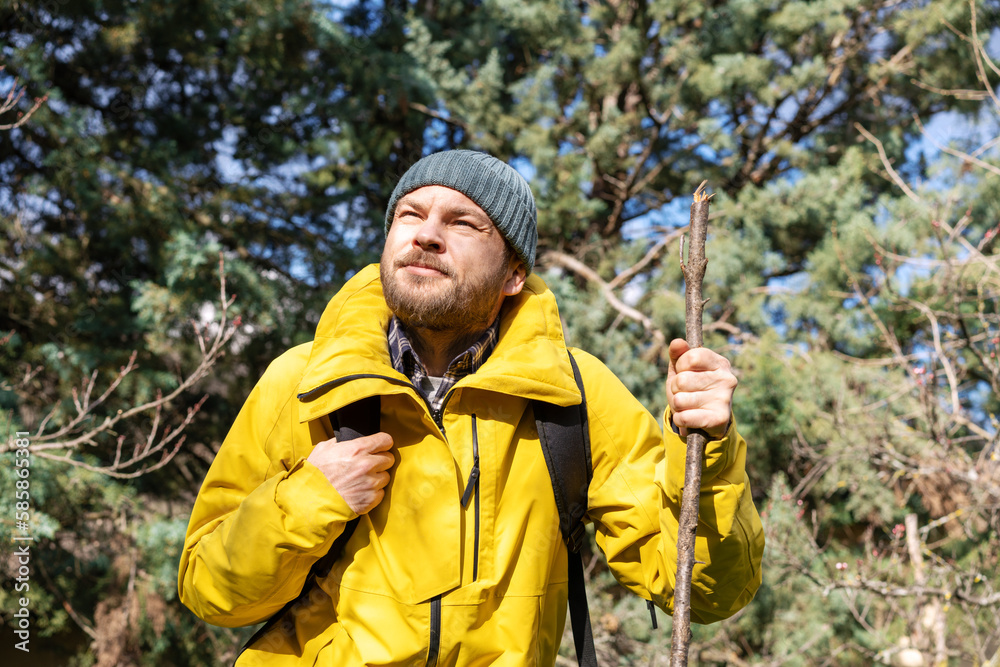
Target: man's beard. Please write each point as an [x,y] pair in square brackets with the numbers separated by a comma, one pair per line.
[439,303]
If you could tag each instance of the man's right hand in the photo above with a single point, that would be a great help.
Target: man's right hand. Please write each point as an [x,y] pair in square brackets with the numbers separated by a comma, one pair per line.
[356,468]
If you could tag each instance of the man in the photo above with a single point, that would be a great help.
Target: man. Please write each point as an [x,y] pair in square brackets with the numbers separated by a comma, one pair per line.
[457,558]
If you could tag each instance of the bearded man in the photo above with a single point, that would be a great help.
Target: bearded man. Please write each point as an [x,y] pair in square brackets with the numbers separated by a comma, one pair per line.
[455,556]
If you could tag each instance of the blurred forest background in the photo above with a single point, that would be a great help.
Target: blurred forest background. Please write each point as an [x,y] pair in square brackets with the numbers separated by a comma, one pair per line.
[853,147]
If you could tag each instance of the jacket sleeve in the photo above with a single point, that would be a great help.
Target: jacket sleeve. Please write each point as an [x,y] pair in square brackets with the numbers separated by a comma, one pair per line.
[634,502]
[263,516]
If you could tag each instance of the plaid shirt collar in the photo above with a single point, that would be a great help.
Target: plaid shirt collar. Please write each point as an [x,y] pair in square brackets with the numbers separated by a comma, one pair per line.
[406,361]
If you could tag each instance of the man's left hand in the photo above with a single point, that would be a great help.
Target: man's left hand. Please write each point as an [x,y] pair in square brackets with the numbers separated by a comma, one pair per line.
[700,385]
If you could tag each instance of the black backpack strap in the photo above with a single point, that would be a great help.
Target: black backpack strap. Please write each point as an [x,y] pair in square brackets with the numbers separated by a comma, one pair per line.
[352,421]
[564,433]
[579,613]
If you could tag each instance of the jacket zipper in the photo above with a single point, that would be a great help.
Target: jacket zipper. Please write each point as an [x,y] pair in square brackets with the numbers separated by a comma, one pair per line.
[434,641]
[434,645]
[438,415]
[472,486]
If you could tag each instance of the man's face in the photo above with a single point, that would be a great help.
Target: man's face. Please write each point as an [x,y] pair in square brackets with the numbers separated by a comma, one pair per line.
[445,266]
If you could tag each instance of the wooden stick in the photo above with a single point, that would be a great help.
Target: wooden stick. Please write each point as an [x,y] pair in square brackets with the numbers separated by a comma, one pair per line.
[694,273]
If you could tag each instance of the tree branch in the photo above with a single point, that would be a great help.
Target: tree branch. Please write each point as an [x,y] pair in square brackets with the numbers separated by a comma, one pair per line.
[694,274]
[14,96]
[557,258]
[63,444]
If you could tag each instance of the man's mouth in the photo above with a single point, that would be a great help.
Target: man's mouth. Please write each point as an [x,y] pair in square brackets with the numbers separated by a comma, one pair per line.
[421,267]
[423,270]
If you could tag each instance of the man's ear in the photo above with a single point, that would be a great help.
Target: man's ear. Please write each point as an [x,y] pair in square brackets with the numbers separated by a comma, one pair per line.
[517,274]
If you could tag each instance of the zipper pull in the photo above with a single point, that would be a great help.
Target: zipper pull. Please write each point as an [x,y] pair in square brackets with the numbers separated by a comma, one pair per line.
[471,485]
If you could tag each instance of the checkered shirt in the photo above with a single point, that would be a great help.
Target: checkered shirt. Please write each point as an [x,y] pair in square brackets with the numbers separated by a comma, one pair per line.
[406,361]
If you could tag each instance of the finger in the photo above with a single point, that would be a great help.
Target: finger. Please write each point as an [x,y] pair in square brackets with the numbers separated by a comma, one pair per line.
[707,420]
[382,461]
[380,479]
[379,442]
[680,383]
[686,400]
[700,359]
[703,389]
[696,381]
[375,500]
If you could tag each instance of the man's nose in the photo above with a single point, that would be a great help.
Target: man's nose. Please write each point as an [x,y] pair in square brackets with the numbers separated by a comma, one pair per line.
[429,235]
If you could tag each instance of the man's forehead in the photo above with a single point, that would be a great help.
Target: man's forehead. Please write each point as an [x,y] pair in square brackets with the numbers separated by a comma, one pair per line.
[456,202]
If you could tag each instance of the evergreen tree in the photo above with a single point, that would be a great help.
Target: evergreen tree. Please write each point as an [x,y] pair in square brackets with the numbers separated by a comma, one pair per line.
[852,277]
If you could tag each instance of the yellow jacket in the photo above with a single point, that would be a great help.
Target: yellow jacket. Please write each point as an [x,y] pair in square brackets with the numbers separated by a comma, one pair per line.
[421,575]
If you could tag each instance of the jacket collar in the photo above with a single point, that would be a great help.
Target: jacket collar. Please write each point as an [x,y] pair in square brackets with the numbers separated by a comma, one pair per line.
[350,355]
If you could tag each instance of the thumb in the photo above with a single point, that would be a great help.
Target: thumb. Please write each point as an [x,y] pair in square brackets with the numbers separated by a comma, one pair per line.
[678,347]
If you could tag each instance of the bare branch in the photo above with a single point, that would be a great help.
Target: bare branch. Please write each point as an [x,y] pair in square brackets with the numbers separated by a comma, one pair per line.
[584,271]
[949,370]
[14,96]
[156,449]
[694,274]
[447,118]
[890,590]
[959,154]
[625,276]
[957,93]
[979,51]
[887,163]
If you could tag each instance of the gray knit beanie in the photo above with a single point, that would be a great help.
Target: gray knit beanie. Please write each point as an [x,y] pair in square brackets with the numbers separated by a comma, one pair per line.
[494,185]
